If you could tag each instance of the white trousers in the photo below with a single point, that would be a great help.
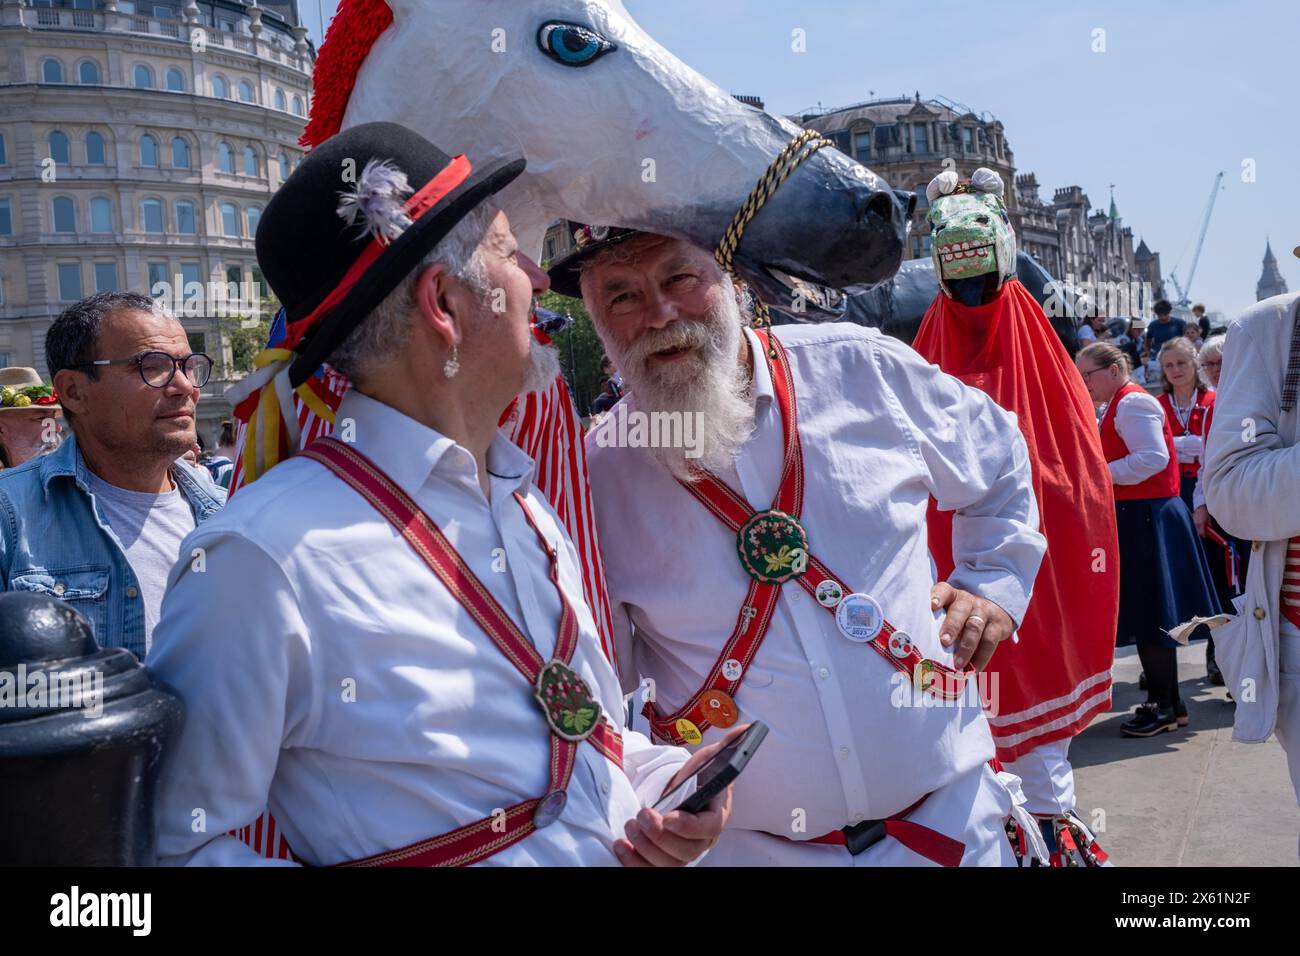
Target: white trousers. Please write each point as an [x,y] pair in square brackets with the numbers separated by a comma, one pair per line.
[972,808]
[1046,777]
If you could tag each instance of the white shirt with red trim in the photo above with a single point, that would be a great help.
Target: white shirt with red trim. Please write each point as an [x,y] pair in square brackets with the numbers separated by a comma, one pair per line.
[328,674]
[882,430]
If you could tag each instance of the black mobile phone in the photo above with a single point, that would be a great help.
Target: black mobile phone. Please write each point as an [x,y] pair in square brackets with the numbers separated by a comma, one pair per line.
[714,776]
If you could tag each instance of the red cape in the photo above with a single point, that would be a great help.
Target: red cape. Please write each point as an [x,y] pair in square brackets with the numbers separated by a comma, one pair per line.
[1052,683]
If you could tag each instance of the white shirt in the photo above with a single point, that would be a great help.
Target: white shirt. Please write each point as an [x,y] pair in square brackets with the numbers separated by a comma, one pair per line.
[1140,421]
[309,598]
[881,432]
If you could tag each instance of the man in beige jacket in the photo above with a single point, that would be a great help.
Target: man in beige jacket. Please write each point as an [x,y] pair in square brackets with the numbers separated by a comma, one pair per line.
[1252,486]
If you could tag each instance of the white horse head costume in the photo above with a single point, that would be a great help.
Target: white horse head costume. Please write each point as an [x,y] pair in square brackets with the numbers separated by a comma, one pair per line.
[617,131]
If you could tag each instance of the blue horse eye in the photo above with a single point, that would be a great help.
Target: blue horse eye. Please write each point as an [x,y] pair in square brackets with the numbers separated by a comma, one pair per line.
[572,44]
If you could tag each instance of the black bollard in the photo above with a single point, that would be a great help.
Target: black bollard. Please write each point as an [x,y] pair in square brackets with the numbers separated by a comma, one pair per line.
[83,734]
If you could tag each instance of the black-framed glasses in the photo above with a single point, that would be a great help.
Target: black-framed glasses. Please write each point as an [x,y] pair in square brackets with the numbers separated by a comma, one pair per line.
[1086,375]
[157,369]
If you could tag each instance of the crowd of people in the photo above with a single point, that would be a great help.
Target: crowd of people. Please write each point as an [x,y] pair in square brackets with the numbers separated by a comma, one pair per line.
[330,571]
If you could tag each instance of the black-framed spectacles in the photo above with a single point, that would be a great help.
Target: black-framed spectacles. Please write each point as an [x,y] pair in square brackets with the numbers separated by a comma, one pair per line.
[157,369]
[1094,372]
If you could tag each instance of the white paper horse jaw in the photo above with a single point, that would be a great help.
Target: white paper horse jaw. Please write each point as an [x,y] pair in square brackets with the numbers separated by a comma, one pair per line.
[636,138]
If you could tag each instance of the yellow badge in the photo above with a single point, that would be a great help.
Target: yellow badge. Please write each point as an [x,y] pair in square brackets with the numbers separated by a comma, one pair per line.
[688,731]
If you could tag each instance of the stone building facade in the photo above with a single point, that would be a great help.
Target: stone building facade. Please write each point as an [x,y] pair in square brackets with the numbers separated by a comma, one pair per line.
[908,142]
[139,144]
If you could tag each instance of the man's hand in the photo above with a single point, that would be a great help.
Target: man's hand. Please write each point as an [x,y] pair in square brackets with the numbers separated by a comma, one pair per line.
[1202,518]
[677,838]
[979,625]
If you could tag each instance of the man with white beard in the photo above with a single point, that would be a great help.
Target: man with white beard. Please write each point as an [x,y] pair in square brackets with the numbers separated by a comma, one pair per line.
[779,570]
[384,639]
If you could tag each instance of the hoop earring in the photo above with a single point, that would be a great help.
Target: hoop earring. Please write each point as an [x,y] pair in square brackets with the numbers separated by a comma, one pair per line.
[452,365]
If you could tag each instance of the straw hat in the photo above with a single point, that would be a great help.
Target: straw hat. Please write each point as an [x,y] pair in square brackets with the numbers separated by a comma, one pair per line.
[21,388]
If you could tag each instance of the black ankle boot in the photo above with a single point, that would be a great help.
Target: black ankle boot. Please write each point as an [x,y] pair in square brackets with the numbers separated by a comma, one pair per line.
[1211,666]
[1148,720]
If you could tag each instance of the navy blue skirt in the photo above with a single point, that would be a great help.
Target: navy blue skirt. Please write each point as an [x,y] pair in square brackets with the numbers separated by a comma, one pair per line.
[1164,578]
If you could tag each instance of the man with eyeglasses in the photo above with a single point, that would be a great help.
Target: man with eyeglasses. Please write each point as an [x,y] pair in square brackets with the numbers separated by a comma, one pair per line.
[99,523]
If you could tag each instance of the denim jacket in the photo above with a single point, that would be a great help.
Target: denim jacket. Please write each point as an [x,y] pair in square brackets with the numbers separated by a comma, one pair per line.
[56,540]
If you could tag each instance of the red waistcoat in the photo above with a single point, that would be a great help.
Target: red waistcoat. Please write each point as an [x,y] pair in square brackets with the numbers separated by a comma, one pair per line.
[1164,484]
[1197,422]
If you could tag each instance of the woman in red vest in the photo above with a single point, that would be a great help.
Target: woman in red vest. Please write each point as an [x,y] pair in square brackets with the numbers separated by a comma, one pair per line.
[1164,579]
[1188,405]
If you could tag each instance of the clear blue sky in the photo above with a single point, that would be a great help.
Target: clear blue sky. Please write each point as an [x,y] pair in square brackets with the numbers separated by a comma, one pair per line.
[1185,88]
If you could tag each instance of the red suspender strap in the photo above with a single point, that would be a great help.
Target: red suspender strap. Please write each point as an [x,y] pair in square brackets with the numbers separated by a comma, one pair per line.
[476,841]
[731,508]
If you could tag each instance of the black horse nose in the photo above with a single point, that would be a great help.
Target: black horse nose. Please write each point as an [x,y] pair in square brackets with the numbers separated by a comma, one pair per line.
[891,209]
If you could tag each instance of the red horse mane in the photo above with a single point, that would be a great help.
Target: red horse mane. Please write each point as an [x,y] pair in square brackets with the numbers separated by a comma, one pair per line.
[351,34]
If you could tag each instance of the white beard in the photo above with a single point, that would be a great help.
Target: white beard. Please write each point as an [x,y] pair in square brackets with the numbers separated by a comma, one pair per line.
[711,383]
[543,367]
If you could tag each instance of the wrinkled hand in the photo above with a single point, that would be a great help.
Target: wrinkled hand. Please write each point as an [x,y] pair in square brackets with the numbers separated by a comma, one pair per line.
[1201,516]
[979,625]
[677,838]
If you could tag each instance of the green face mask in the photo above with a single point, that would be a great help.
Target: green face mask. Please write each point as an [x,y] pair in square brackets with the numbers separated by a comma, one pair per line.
[970,231]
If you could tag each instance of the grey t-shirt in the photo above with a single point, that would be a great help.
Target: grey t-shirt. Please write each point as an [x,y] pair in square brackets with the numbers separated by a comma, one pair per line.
[151,529]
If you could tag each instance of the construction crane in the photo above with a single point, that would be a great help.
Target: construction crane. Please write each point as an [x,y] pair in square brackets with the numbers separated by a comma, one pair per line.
[1184,292]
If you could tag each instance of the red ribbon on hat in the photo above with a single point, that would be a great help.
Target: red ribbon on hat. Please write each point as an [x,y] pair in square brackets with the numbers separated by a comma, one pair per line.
[430,194]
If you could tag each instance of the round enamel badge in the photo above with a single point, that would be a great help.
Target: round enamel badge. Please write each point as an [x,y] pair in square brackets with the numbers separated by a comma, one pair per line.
[688,731]
[718,708]
[550,808]
[900,644]
[859,617]
[731,669]
[829,593]
[566,701]
[773,547]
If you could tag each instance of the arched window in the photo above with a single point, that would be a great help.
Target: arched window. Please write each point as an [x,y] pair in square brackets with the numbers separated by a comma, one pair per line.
[297,105]
[279,101]
[225,160]
[58,143]
[220,88]
[143,77]
[51,71]
[95,149]
[175,80]
[180,153]
[254,214]
[151,215]
[65,214]
[186,221]
[250,161]
[88,72]
[284,166]
[245,91]
[229,219]
[101,214]
[148,151]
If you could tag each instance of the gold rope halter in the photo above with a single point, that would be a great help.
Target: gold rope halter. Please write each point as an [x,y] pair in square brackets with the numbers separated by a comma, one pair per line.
[796,153]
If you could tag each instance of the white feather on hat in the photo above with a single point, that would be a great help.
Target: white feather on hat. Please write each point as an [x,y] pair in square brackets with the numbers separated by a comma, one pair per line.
[379,201]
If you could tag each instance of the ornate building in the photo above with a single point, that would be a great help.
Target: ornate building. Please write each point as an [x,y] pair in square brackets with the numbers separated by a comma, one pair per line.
[1270,282]
[907,140]
[139,143]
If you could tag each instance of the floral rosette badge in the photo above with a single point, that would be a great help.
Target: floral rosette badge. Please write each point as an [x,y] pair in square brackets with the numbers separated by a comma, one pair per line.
[567,702]
[28,395]
[773,547]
